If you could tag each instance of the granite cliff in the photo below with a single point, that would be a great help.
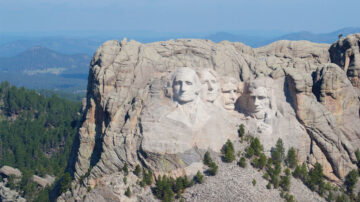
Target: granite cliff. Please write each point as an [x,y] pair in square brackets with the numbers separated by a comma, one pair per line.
[162,105]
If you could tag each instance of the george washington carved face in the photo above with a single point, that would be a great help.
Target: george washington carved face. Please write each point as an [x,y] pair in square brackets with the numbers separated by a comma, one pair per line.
[186,85]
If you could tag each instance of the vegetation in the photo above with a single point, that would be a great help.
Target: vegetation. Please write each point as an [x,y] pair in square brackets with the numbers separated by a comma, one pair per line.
[213,168]
[242,162]
[351,180]
[241,131]
[207,158]
[147,177]
[65,182]
[166,187]
[199,178]
[228,152]
[291,158]
[137,170]
[128,192]
[278,153]
[254,182]
[125,169]
[36,136]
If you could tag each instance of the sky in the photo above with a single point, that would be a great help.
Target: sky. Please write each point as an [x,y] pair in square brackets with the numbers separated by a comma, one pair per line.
[185,16]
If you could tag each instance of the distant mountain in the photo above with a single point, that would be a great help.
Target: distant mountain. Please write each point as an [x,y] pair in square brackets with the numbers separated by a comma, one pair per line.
[318,38]
[258,41]
[42,68]
[38,60]
[60,44]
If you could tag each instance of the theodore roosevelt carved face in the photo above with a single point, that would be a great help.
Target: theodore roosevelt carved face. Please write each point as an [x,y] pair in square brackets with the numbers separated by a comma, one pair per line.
[186,85]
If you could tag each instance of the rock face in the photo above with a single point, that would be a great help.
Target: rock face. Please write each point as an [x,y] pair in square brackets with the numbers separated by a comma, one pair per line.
[162,105]
[8,170]
[7,195]
[43,181]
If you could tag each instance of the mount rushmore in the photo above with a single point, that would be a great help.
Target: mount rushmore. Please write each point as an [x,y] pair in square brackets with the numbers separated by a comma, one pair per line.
[162,105]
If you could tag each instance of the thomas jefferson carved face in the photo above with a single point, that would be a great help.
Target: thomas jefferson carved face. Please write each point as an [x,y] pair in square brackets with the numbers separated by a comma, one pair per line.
[210,85]
[229,93]
[186,85]
[260,102]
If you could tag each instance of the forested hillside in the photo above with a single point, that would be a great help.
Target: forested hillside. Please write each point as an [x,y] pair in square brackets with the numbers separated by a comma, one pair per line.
[36,133]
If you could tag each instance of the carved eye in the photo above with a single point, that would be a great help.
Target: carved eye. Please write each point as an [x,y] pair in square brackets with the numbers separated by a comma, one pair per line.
[188,83]
[261,97]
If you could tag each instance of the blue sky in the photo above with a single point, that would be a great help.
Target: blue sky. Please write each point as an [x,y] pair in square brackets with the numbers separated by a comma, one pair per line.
[186,16]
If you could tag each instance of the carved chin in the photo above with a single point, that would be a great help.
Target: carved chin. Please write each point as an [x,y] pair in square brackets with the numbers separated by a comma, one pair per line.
[259,115]
[229,106]
[211,97]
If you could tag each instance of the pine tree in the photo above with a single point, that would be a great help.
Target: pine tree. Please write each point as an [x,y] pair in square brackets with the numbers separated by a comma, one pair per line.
[285,183]
[228,152]
[199,178]
[128,192]
[213,168]
[207,158]
[137,170]
[350,180]
[241,131]
[242,162]
[278,153]
[291,159]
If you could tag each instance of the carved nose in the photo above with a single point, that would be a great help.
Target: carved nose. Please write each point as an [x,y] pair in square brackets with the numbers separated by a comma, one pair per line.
[210,87]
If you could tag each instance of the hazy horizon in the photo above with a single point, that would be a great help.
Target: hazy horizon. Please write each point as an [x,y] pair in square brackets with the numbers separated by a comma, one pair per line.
[170,16]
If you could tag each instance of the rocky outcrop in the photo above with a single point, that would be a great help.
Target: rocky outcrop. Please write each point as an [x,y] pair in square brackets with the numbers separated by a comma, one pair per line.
[162,105]
[346,53]
[7,195]
[43,181]
[8,170]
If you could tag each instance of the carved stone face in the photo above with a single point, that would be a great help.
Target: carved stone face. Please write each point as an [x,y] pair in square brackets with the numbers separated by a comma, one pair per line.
[260,102]
[185,85]
[353,74]
[229,93]
[210,86]
[346,54]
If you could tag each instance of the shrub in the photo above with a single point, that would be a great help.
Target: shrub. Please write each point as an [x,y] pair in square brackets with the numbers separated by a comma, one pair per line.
[147,177]
[350,180]
[199,178]
[254,182]
[137,170]
[125,180]
[287,172]
[291,159]
[228,152]
[213,168]
[285,183]
[268,186]
[128,192]
[125,169]
[357,154]
[242,162]
[315,176]
[249,152]
[241,131]
[65,182]
[207,158]
[256,146]
[260,162]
